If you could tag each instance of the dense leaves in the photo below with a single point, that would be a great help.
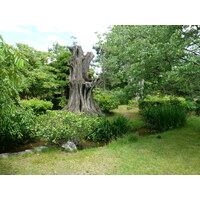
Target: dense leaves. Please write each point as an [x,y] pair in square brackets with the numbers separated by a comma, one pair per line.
[106,100]
[142,59]
[38,106]
[108,130]
[60,126]
[10,77]
[17,128]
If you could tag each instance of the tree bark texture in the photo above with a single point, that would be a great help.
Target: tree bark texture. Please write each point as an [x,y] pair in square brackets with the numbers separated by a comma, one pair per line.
[80,96]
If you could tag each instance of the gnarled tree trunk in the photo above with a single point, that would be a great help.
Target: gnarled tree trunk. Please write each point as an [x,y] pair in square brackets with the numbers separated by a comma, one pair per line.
[80,97]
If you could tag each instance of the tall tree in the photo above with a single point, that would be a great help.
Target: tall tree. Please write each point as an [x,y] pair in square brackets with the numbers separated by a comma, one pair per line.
[136,54]
[38,77]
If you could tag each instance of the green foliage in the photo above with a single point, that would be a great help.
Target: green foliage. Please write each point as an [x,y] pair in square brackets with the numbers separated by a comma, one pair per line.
[10,77]
[154,100]
[142,59]
[39,79]
[16,128]
[106,100]
[165,112]
[108,130]
[132,138]
[164,117]
[59,61]
[60,126]
[38,106]
[132,103]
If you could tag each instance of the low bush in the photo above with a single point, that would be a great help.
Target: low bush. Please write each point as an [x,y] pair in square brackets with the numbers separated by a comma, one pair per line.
[38,106]
[108,130]
[106,100]
[164,117]
[61,126]
[16,128]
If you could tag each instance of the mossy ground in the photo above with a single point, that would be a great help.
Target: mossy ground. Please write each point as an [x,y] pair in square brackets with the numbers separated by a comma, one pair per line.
[177,152]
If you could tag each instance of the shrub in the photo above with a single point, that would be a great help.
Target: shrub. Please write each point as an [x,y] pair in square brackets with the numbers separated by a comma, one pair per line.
[106,100]
[106,130]
[16,128]
[150,101]
[121,96]
[38,106]
[61,126]
[164,117]
[156,100]
[132,103]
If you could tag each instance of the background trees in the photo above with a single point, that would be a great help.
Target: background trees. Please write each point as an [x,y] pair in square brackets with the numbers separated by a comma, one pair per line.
[145,59]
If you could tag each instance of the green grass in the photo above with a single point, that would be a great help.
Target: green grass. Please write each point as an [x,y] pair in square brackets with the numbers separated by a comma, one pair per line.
[177,152]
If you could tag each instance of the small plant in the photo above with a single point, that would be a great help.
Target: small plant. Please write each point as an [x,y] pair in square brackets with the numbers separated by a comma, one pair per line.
[108,130]
[38,106]
[133,138]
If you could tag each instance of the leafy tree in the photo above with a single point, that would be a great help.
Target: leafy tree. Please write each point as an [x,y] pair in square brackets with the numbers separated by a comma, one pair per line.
[10,77]
[140,59]
[59,61]
[39,80]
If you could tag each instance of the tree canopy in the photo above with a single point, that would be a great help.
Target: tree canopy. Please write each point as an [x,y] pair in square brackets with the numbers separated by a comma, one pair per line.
[151,58]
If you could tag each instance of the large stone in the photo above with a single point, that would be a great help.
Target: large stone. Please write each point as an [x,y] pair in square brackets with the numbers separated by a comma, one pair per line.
[4,155]
[40,148]
[69,146]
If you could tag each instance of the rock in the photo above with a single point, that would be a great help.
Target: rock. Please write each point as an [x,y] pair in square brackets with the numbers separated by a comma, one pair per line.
[40,148]
[18,153]
[69,146]
[4,155]
[29,151]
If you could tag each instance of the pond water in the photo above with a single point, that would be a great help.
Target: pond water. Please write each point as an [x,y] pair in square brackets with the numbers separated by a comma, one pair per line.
[31,145]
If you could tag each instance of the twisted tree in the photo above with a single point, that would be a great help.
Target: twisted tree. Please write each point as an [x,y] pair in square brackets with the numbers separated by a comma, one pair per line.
[81,87]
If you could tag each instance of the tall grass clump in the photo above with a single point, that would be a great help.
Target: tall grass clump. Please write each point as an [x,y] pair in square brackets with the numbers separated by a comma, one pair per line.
[165,117]
[108,130]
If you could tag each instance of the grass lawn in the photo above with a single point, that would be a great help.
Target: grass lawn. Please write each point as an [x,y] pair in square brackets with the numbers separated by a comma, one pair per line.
[177,152]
